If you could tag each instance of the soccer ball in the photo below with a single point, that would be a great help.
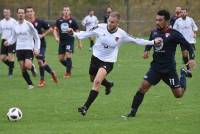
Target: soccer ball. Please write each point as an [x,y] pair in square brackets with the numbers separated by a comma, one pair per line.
[14,114]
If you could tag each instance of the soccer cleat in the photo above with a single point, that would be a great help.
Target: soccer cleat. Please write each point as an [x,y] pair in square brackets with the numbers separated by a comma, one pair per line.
[82,110]
[67,75]
[129,115]
[34,71]
[30,86]
[41,83]
[108,88]
[54,77]
[187,73]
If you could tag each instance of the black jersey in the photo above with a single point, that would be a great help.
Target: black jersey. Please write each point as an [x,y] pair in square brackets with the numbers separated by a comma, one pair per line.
[41,26]
[173,20]
[63,25]
[164,55]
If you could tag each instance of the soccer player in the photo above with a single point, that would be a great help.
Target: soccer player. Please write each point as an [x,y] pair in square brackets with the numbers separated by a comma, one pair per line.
[27,43]
[176,16]
[187,27]
[7,54]
[43,28]
[89,22]
[163,65]
[109,37]
[108,11]
[65,41]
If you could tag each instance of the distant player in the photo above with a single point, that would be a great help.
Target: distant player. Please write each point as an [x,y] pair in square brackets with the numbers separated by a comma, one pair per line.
[89,22]
[108,11]
[176,16]
[65,41]
[163,66]
[109,37]
[43,28]
[27,44]
[188,28]
[7,54]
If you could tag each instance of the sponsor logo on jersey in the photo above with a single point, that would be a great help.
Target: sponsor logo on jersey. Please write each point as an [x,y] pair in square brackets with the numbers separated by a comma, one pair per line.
[116,39]
[167,35]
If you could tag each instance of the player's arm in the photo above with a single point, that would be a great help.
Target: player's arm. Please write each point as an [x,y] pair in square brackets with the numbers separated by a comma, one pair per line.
[176,25]
[36,38]
[12,39]
[47,29]
[56,32]
[194,27]
[84,21]
[147,48]
[140,41]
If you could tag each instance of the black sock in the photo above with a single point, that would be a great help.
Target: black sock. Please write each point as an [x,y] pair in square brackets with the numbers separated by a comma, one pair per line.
[137,100]
[185,60]
[6,62]
[41,73]
[69,65]
[91,43]
[27,77]
[63,62]
[92,96]
[183,81]
[47,68]
[105,83]
[11,67]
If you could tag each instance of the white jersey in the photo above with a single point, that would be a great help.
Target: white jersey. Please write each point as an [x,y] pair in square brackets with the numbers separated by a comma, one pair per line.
[6,27]
[90,22]
[186,27]
[25,36]
[107,44]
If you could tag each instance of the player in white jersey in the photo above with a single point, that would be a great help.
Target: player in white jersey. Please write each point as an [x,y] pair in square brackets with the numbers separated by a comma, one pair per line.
[89,22]
[27,43]
[109,37]
[187,27]
[7,54]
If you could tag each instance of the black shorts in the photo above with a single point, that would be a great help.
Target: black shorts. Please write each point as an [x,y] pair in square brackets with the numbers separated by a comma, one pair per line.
[24,54]
[7,49]
[95,64]
[170,78]
[41,55]
[183,48]
[66,47]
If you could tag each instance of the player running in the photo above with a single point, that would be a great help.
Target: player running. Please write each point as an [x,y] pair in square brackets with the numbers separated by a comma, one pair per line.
[109,37]
[163,66]
[43,28]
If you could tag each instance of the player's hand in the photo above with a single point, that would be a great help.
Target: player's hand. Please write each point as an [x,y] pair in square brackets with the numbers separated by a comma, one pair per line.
[57,40]
[36,52]
[6,43]
[70,31]
[158,41]
[41,36]
[192,64]
[146,55]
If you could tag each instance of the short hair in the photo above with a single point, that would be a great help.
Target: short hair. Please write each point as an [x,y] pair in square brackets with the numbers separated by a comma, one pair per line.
[115,14]
[7,9]
[186,9]
[29,7]
[20,8]
[164,13]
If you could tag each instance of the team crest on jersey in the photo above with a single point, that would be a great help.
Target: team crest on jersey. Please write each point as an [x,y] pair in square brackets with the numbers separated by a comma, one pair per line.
[167,35]
[116,39]
[70,21]
[36,24]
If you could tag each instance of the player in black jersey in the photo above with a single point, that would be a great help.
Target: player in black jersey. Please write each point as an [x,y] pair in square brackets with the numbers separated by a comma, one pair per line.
[43,28]
[163,65]
[64,39]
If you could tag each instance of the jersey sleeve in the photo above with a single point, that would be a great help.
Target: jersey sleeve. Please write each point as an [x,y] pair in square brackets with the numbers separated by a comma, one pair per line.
[75,25]
[182,41]
[0,28]
[175,26]
[45,25]
[13,38]
[138,41]
[194,26]
[36,37]
[84,21]
[84,34]
[149,47]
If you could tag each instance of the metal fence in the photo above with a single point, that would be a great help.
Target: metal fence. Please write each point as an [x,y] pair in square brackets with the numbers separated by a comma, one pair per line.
[137,15]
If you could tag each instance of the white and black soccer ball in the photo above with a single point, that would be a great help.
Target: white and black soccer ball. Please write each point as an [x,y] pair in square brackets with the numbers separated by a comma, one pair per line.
[14,114]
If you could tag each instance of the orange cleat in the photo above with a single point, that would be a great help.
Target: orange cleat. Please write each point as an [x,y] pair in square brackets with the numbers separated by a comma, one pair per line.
[54,77]
[41,83]
[67,75]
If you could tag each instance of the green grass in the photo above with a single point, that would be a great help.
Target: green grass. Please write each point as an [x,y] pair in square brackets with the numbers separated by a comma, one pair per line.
[53,109]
